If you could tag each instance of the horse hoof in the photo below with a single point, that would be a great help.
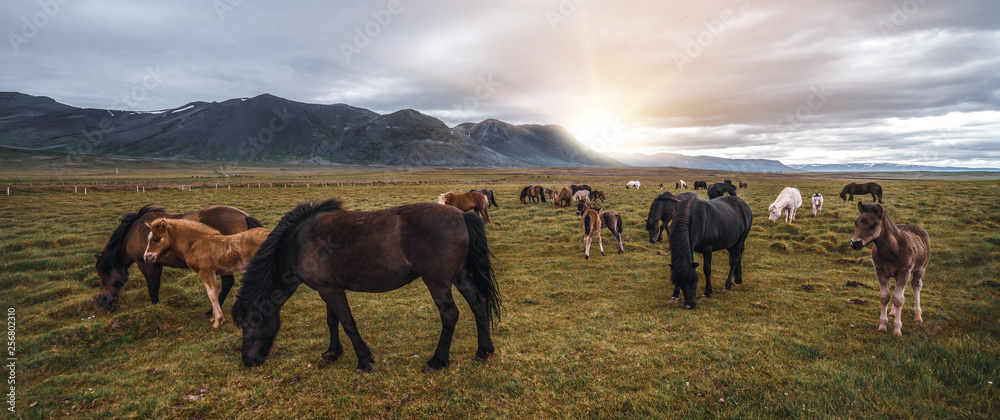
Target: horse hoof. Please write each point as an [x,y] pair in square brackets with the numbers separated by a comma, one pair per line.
[673,300]
[687,306]
[208,315]
[603,254]
[364,369]
[586,257]
[331,356]
[704,297]
[897,333]
[621,252]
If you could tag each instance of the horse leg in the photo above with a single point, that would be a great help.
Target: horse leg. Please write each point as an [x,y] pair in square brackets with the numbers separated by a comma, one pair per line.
[152,273]
[600,242]
[917,283]
[708,273]
[480,310]
[441,292]
[586,247]
[208,277]
[883,299]
[897,302]
[486,213]
[336,349]
[342,310]
[618,237]
[227,285]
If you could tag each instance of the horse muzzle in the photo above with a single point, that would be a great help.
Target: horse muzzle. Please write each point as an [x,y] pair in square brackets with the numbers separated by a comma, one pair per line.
[857,245]
[149,257]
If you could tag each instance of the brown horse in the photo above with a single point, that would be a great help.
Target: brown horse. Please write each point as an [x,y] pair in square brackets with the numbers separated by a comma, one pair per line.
[532,194]
[565,195]
[597,195]
[900,251]
[333,250]
[608,219]
[744,186]
[591,227]
[472,200]
[128,242]
[205,250]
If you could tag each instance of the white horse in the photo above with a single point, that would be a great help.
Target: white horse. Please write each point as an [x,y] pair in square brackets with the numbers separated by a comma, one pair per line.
[681,184]
[817,203]
[788,200]
[632,184]
[582,195]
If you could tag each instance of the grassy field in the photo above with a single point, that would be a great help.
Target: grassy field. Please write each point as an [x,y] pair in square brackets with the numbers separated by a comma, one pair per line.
[578,339]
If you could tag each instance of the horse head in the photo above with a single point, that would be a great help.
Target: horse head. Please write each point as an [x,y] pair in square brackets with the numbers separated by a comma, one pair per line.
[158,240]
[868,225]
[112,278]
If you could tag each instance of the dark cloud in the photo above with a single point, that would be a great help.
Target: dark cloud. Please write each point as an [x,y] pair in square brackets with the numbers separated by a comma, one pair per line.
[804,81]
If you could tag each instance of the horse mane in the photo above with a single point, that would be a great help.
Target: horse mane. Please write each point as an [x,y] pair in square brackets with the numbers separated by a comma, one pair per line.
[524,192]
[105,258]
[681,255]
[261,272]
[191,225]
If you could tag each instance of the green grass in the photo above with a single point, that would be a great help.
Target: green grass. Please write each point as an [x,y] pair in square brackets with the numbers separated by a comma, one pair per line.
[578,339]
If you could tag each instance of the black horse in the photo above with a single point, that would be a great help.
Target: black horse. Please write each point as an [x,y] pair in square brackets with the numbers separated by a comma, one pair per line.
[706,226]
[576,188]
[719,188]
[700,184]
[333,250]
[854,188]
[489,197]
[662,210]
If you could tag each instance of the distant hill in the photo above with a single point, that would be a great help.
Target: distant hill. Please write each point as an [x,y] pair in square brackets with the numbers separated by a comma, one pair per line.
[883,167]
[269,128]
[702,162]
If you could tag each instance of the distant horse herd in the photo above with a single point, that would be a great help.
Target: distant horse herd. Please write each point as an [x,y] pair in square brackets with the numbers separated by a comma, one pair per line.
[331,249]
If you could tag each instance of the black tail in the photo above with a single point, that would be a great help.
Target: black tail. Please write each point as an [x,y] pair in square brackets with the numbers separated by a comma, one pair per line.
[619,227]
[478,262]
[253,223]
[493,199]
[586,223]
[681,255]
[261,276]
[116,243]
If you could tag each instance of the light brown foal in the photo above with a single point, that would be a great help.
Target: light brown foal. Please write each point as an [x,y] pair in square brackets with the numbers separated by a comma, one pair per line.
[898,251]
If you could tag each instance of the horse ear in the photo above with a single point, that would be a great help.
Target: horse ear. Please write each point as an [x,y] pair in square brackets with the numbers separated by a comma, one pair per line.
[861,206]
[148,225]
[879,211]
[97,256]
[163,224]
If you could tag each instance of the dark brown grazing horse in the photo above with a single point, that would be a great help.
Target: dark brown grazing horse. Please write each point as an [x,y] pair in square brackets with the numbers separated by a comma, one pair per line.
[854,188]
[662,210]
[333,250]
[597,195]
[744,186]
[565,195]
[900,251]
[472,200]
[129,239]
[532,194]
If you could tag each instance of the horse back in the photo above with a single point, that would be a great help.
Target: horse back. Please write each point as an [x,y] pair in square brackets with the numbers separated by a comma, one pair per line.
[227,220]
[226,254]
[721,222]
[380,250]
[919,243]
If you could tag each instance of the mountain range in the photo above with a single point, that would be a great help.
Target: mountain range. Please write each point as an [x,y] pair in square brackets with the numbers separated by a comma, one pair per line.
[269,128]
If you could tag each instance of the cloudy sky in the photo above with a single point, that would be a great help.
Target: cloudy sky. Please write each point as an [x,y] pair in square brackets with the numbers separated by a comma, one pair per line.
[906,81]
